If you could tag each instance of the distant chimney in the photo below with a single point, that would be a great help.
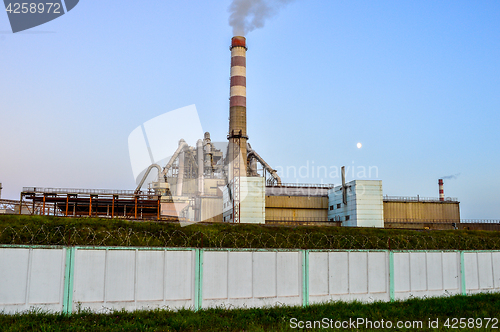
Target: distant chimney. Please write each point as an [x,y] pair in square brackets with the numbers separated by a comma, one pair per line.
[441,190]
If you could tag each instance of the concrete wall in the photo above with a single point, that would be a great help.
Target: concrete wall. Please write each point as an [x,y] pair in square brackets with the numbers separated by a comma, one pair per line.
[382,275]
[251,278]
[101,279]
[31,278]
[349,276]
[133,279]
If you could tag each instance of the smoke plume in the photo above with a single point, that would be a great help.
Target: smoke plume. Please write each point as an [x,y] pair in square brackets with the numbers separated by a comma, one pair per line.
[248,15]
[451,177]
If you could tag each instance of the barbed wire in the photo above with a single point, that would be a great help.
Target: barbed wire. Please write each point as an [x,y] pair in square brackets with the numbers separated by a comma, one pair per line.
[127,237]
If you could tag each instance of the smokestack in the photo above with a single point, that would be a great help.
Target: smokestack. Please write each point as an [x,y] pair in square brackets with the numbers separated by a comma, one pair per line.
[238,104]
[441,190]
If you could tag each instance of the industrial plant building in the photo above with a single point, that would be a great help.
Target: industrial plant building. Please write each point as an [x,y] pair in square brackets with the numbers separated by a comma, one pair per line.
[235,184]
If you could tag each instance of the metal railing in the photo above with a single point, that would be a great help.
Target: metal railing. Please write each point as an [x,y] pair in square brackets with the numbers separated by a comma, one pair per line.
[480,221]
[437,221]
[420,221]
[303,185]
[299,219]
[77,191]
[417,199]
[8,205]
[9,201]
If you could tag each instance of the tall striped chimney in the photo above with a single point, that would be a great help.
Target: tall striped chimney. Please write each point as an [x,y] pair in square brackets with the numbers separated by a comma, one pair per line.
[441,190]
[238,102]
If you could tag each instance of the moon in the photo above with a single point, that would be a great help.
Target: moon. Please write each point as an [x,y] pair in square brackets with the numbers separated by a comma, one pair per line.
[359,145]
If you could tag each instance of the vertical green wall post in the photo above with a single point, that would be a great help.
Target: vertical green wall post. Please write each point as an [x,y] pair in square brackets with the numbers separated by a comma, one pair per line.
[69,275]
[305,278]
[462,273]
[198,279]
[391,276]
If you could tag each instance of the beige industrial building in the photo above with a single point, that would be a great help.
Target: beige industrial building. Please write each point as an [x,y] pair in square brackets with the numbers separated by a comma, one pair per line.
[408,210]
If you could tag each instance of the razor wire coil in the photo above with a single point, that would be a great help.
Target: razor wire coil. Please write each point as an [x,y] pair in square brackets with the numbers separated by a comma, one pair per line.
[128,237]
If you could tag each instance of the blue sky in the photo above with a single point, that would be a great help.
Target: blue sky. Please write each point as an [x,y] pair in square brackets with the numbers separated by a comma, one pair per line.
[416,82]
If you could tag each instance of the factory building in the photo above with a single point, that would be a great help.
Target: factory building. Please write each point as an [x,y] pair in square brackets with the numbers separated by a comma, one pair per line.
[252,201]
[357,204]
[422,212]
[232,183]
[409,209]
[288,204]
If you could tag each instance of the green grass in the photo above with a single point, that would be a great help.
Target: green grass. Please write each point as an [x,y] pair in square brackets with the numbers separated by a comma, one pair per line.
[45,230]
[262,319]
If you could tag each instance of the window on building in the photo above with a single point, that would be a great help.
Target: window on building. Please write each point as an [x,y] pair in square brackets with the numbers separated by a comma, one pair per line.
[347,218]
[331,219]
[331,207]
[338,206]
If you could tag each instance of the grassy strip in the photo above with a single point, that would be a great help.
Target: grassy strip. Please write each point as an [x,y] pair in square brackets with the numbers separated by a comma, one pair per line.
[268,319]
[44,230]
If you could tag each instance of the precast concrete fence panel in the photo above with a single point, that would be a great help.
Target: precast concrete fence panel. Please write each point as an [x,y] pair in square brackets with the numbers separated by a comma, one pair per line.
[102,279]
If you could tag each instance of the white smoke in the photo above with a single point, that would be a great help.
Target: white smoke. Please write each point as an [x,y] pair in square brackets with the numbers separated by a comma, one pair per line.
[248,15]
[451,177]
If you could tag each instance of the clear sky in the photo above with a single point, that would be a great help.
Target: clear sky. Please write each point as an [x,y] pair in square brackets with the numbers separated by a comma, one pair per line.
[416,82]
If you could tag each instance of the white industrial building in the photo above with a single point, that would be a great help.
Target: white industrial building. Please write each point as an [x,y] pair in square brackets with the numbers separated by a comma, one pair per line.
[357,204]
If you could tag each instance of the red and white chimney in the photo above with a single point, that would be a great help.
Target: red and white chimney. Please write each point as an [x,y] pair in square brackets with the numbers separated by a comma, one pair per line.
[441,190]
[238,102]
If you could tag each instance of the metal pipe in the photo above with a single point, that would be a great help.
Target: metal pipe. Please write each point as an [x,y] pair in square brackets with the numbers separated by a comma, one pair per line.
[199,146]
[138,189]
[274,173]
[441,189]
[67,205]
[344,188]
[159,208]
[182,146]
[253,167]
[20,202]
[191,163]
[135,207]
[180,174]
[208,154]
